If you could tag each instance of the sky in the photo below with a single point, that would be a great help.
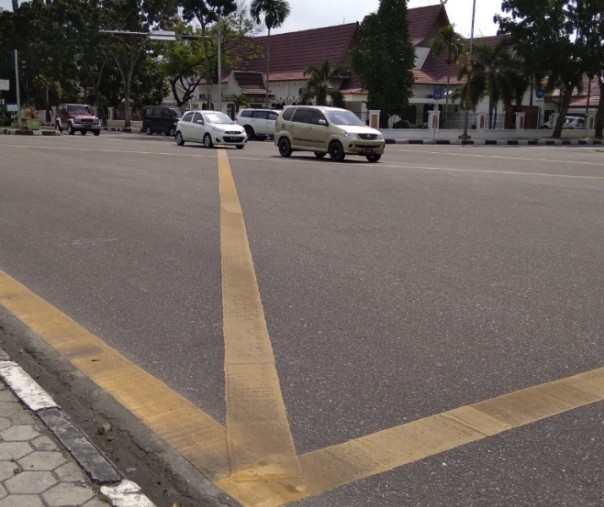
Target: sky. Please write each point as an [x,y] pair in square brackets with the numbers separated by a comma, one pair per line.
[307,14]
[317,13]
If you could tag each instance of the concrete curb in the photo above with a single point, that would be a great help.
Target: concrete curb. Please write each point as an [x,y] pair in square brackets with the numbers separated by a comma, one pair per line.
[121,492]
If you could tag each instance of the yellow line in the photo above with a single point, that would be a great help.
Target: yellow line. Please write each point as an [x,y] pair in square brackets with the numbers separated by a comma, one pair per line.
[188,430]
[259,439]
[335,466]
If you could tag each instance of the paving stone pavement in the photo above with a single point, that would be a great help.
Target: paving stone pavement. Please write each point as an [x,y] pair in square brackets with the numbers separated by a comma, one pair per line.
[44,460]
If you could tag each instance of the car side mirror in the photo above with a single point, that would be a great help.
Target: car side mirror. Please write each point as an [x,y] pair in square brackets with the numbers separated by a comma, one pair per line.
[200,122]
[323,122]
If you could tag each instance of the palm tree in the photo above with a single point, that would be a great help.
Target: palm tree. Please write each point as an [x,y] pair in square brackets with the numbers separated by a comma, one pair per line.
[274,12]
[497,73]
[240,101]
[448,39]
[319,85]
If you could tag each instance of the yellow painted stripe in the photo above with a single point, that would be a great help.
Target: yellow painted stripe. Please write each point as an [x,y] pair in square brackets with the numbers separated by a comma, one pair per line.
[335,466]
[260,443]
[188,430]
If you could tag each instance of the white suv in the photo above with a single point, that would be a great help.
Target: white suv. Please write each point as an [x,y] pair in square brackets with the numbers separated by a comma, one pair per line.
[324,130]
[258,123]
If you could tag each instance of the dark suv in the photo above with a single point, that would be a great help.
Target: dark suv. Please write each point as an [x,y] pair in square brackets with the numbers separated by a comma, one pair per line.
[160,119]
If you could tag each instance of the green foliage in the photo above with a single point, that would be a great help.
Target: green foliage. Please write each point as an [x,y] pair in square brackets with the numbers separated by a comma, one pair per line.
[384,58]
[450,41]
[496,72]
[274,13]
[548,34]
[320,85]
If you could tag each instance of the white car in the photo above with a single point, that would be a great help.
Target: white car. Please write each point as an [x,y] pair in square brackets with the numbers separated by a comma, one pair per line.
[258,123]
[210,128]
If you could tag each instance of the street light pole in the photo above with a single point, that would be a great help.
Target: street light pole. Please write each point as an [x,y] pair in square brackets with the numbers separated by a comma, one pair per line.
[469,64]
[17,89]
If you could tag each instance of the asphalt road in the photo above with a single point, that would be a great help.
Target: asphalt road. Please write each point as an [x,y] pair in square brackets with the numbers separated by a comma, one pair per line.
[438,278]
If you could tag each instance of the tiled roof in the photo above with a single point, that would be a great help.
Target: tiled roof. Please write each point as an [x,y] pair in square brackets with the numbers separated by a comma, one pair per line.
[291,53]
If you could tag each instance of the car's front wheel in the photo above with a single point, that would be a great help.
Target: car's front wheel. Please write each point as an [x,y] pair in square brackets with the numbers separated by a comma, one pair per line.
[58,127]
[70,129]
[96,132]
[207,141]
[336,151]
[83,132]
[180,141]
[373,157]
[240,146]
[285,147]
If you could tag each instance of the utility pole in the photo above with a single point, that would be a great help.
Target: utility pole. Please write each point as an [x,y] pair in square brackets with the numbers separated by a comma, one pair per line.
[470,64]
[17,89]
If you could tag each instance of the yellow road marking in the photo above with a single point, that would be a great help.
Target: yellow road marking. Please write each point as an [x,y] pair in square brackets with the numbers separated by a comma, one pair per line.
[182,425]
[357,459]
[259,439]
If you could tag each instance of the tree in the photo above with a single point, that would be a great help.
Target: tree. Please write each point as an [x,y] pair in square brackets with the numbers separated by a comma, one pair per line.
[496,73]
[274,12]
[384,58]
[320,84]
[544,33]
[207,12]
[588,17]
[450,41]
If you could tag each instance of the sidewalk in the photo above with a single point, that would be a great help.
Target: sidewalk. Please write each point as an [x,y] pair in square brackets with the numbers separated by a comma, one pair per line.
[45,460]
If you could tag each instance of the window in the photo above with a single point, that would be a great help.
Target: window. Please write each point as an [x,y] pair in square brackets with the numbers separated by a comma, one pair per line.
[197,117]
[287,113]
[261,115]
[302,116]
[246,113]
[188,117]
[316,117]
[272,115]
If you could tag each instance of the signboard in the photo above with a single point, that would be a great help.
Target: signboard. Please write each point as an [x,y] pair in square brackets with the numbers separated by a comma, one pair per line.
[437,94]
[539,93]
[12,108]
[162,35]
[4,85]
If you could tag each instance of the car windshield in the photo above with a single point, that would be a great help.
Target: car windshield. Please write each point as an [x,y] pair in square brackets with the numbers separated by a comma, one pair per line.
[219,118]
[344,117]
[79,109]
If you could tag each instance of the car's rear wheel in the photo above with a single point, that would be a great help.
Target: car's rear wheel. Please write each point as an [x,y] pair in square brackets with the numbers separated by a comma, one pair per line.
[180,141]
[251,135]
[336,151]
[373,157]
[320,154]
[207,141]
[285,147]
[70,129]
